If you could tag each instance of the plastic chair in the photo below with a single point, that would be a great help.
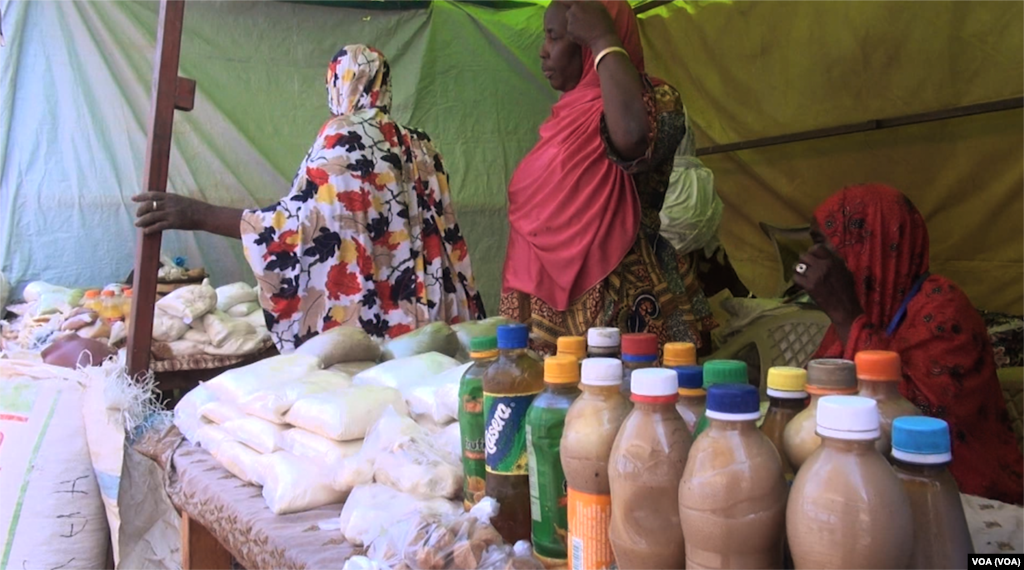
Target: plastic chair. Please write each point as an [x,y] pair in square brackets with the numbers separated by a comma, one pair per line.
[783,340]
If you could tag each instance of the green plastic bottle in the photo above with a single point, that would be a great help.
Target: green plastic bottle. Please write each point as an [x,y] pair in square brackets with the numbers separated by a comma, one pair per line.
[483,351]
[721,372]
[545,422]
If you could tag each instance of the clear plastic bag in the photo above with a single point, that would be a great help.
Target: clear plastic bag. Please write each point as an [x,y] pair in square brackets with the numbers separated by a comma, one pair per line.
[220,413]
[312,446]
[423,540]
[408,371]
[273,402]
[259,434]
[372,511]
[238,384]
[347,414]
[400,454]
[293,484]
[436,397]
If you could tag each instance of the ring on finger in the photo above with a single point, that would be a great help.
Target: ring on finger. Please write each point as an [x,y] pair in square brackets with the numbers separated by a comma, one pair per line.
[801,268]
[154,205]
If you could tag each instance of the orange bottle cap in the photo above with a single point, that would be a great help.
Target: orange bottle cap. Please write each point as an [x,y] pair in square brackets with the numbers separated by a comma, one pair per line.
[575,346]
[878,366]
[107,293]
[92,293]
[127,292]
[561,369]
[680,354]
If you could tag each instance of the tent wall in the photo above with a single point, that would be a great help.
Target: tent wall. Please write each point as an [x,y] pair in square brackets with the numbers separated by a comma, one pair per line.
[74,135]
[755,69]
[76,81]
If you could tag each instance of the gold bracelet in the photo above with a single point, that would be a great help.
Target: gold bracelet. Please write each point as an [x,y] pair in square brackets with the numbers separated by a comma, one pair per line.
[606,51]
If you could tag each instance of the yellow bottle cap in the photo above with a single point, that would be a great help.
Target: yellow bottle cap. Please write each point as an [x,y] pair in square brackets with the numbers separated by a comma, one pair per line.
[561,369]
[575,346]
[787,379]
[679,354]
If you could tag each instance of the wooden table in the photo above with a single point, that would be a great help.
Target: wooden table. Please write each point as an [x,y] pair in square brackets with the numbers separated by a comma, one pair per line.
[224,519]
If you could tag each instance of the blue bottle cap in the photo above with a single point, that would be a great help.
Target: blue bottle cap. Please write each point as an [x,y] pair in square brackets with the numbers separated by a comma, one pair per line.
[733,402]
[920,439]
[512,337]
[690,377]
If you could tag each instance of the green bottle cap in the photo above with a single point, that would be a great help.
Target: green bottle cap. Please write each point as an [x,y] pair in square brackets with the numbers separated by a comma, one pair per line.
[724,372]
[483,343]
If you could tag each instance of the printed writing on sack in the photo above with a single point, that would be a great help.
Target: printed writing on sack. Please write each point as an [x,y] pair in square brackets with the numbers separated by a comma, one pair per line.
[501,413]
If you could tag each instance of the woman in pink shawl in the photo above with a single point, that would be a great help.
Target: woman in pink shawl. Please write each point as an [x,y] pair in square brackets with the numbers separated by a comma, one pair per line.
[584,247]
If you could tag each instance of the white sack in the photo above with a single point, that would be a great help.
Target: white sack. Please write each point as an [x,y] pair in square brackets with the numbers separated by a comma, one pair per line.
[353,368]
[411,370]
[209,437]
[167,328]
[292,484]
[436,397]
[345,415]
[259,434]
[273,403]
[312,446]
[189,303]
[222,328]
[240,460]
[220,412]
[243,310]
[234,294]
[238,384]
[186,413]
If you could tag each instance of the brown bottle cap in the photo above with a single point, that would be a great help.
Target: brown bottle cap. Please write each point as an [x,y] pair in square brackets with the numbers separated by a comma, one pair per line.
[831,375]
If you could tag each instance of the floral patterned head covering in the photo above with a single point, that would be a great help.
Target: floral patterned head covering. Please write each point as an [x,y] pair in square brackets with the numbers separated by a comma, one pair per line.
[358,78]
[882,238]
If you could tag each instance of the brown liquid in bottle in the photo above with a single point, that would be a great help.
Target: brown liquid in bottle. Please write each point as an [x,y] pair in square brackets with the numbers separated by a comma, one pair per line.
[510,385]
[879,374]
[591,424]
[847,509]
[780,412]
[647,462]
[732,497]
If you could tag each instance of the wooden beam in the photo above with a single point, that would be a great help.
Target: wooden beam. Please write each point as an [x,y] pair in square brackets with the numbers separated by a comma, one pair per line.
[200,550]
[167,93]
[873,125]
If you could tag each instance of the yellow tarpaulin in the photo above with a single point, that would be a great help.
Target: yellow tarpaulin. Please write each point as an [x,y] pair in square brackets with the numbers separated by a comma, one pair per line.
[753,69]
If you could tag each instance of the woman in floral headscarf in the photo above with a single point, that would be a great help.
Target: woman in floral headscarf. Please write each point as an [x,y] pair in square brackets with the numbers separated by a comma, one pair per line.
[367,236]
[868,270]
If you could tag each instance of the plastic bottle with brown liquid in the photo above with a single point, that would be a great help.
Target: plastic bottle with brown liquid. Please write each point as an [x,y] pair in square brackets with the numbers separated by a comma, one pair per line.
[920,456]
[732,498]
[825,377]
[604,342]
[677,354]
[639,351]
[721,372]
[574,346]
[644,471]
[879,374]
[510,385]
[692,396]
[545,423]
[591,425]
[787,397]
[484,352]
[847,509]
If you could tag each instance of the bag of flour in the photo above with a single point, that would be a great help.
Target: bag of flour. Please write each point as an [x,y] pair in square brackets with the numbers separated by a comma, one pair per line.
[345,415]
[273,402]
[189,303]
[435,337]
[412,370]
[293,484]
[234,294]
[220,413]
[312,446]
[240,460]
[340,344]
[259,434]
[237,384]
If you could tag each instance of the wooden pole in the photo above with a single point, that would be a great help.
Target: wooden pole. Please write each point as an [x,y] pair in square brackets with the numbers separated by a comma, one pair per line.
[169,92]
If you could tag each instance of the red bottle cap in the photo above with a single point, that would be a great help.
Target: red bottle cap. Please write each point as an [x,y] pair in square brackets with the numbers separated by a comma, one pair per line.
[640,344]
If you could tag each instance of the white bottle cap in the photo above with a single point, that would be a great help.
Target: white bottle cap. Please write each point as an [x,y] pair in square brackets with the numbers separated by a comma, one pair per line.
[601,372]
[654,382]
[604,337]
[848,417]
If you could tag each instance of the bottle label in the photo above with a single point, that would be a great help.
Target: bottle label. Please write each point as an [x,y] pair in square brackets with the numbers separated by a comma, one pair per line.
[505,432]
[590,516]
[548,488]
[471,430]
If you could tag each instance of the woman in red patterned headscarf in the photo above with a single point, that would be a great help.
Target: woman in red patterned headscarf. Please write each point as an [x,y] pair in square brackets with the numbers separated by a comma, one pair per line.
[868,270]
[584,248]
